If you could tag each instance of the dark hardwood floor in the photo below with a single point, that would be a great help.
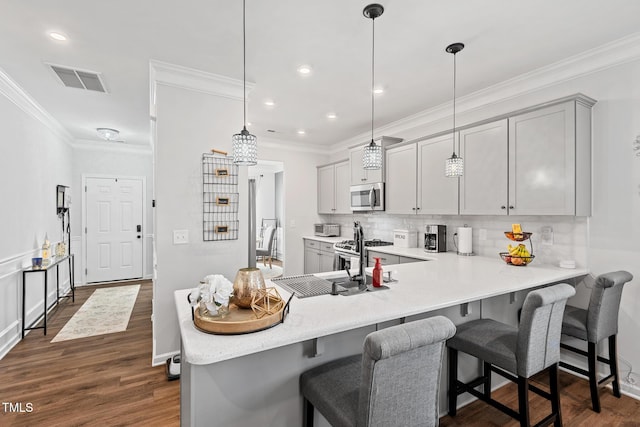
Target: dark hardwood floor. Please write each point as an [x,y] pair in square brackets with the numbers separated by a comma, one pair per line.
[105,380]
[575,404]
[108,380]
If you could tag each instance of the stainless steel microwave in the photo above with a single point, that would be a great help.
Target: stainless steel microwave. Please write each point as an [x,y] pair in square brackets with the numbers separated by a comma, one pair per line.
[367,197]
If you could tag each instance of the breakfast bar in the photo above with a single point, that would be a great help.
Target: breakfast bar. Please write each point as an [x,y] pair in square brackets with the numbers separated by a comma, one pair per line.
[252,379]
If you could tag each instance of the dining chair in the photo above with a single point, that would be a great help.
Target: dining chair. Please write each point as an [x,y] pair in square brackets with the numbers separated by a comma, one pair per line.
[598,322]
[394,382]
[266,249]
[515,353]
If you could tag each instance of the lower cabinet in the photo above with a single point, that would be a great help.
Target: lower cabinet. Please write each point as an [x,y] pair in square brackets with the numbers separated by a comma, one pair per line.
[318,256]
[387,259]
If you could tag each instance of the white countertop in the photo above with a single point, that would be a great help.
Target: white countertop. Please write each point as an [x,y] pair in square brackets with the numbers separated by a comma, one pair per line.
[445,281]
[418,253]
[327,239]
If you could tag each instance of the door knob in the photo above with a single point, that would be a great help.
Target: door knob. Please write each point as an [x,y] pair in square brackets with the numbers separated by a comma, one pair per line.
[139,237]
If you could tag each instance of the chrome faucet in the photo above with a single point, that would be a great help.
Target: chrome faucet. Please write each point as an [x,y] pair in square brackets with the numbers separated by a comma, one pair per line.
[358,237]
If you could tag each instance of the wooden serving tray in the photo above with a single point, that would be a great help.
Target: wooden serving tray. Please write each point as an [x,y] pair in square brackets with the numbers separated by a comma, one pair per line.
[239,321]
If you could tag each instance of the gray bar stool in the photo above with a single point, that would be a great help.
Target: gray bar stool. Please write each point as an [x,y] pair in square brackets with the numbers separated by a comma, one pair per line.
[394,382]
[593,325]
[508,350]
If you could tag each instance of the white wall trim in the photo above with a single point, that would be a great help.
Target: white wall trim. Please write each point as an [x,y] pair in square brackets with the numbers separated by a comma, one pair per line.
[13,92]
[117,147]
[609,55]
[196,80]
[161,359]
[12,340]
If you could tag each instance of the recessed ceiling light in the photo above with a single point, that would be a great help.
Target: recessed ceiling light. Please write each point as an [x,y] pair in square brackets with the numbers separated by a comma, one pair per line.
[332,116]
[249,123]
[269,103]
[378,90]
[108,134]
[304,70]
[301,132]
[58,36]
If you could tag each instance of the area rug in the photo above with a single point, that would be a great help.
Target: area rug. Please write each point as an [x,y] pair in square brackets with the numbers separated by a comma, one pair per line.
[270,273]
[106,311]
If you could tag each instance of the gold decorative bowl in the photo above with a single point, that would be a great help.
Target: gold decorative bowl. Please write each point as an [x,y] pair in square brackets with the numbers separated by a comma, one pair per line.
[517,237]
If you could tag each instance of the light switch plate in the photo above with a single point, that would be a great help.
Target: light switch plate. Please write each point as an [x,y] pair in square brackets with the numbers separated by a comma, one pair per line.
[180,237]
[546,235]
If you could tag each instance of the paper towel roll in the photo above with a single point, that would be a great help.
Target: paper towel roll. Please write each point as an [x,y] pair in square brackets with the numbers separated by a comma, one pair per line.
[465,240]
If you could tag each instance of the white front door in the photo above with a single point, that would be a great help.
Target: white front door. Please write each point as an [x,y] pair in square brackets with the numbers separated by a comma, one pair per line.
[114,229]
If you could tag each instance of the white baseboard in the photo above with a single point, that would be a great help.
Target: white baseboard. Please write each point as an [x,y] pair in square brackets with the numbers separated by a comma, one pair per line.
[161,359]
[11,340]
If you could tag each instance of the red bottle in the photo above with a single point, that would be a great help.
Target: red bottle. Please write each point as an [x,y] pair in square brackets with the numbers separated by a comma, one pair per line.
[377,274]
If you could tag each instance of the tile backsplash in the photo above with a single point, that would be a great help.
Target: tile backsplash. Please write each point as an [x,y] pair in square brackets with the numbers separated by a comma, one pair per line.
[568,237]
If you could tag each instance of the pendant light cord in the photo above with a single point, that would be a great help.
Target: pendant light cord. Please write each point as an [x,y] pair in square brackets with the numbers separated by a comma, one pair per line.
[373,55]
[244,67]
[454,105]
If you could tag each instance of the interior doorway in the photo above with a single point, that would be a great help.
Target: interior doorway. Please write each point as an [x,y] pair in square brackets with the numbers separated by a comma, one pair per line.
[113,221]
[269,209]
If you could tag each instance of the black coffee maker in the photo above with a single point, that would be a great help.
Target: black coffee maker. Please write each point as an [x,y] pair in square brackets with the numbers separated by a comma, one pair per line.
[435,238]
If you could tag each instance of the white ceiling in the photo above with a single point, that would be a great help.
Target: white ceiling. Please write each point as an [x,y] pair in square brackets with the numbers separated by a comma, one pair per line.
[504,38]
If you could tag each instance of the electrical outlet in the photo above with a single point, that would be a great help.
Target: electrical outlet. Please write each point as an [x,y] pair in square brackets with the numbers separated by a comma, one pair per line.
[546,235]
[180,237]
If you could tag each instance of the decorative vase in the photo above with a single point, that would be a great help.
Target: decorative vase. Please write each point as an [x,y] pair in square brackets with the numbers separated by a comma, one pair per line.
[221,312]
[245,285]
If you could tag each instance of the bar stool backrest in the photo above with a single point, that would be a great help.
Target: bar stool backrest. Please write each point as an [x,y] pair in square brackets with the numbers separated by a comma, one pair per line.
[604,305]
[401,373]
[538,345]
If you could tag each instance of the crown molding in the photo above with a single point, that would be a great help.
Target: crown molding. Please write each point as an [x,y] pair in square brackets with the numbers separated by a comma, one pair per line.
[606,56]
[99,145]
[178,76]
[21,99]
[291,146]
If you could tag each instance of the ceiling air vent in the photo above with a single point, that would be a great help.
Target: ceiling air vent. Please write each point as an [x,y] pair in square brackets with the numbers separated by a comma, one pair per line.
[79,79]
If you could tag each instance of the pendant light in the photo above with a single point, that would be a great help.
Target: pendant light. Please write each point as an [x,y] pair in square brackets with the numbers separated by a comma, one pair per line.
[454,166]
[245,145]
[372,155]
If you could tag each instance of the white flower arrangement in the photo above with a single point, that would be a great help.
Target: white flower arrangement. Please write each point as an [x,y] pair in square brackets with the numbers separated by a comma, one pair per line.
[214,292]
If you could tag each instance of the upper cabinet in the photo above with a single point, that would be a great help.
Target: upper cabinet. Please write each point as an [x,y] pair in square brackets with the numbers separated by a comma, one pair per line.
[359,175]
[437,193]
[533,163]
[333,188]
[484,184]
[415,181]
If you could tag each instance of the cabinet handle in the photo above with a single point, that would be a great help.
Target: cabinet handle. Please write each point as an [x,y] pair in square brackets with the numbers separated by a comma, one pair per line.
[363,179]
[417,209]
[503,207]
[413,209]
[511,207]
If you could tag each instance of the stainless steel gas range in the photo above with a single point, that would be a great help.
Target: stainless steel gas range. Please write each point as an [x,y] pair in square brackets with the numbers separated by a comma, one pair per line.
[346,252]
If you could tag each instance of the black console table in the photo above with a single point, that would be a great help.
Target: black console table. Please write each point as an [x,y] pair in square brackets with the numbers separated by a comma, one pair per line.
[55,262]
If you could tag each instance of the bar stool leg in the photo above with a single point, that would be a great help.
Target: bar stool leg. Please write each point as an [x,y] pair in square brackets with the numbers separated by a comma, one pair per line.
[613,365]
[592,355]
[486,388]
[523,401]
[307,415]
[453,378]
[554,388]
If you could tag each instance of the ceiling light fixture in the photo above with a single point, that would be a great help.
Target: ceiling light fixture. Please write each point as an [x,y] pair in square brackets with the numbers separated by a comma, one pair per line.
[332,116]
[304,70]
[245,145]
[108,134]
[269,103]
[378,90]
[372,154]
[454,166]
[58,36]
[301,132]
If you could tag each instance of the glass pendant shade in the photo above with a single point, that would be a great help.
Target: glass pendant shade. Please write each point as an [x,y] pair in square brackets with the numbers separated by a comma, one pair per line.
[372,156]
[245,148]
[454,166]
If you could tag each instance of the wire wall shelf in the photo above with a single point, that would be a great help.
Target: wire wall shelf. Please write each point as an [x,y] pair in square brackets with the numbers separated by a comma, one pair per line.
[219,198]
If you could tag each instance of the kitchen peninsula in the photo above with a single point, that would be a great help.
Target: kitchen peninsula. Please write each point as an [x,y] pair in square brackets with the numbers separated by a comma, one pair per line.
[253,379]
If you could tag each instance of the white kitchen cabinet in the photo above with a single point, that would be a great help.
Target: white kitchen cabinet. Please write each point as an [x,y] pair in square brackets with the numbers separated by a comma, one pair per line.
[333,188]
[548,149]
[437,193]
[534,163]
[415,181]
[484,184]
[359,175]
[401,180]
[318,256]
